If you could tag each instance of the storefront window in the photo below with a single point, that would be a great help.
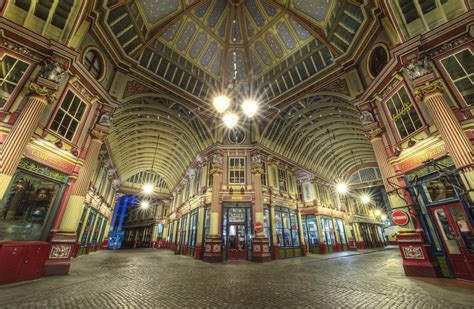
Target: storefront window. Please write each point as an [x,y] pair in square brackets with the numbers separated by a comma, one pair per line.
[96,230]
[184,229]
[68,116]
[403,113]
[328,230]
[310,230]
[286,226]
[88,228]
[207,223]
[11,72]
[438,189]
[27,207]
[266,224]
[342,233]
[193,228]
[460,68]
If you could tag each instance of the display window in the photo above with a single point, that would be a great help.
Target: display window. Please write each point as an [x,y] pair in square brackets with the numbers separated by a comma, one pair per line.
[28,209]
[193,225]
[237,230]
[328,231]
[310,231]
[286,226]
[207,224]
[267,229]
[342,231]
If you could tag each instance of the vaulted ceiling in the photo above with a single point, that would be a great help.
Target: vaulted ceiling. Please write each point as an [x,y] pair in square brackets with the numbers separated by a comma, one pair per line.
[260,48]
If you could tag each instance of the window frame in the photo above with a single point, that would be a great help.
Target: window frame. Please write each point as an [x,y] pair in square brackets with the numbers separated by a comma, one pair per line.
[388,116]
[21,83]
[285,179]
[103,68]
[81,124]
[447,78]
[242,169]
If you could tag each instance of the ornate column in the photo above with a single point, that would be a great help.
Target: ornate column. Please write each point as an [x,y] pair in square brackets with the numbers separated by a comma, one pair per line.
[457,143]
[304,248]
[15,143]
[213,244]
[64,240]
[199,246]
[260,244]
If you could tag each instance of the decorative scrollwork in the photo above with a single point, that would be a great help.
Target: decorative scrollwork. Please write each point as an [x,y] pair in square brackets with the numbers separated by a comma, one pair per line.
[36,89]
[377,132]
[428,89]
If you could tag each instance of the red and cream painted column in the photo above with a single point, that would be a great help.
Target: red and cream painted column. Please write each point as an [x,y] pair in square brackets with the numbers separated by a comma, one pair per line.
[213,244]
[260,244]
[64,239]
[457,143]
[15,143]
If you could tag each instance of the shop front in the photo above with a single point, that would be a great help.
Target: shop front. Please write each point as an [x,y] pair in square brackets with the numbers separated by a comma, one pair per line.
[311,233]
[287,232]
[91,231]
[27,215]
[446,216]
[236,231]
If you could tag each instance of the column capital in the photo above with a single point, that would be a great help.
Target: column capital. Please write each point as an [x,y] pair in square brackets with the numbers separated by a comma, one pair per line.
[216,163]
[429,89]
[374,133]
[48,95]
[257,167]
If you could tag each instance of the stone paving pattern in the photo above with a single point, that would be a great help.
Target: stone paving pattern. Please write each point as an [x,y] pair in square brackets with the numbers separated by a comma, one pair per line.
[148,278]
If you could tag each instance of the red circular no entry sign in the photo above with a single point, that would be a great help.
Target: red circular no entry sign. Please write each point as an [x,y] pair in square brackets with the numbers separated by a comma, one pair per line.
[258,227]
[400,217]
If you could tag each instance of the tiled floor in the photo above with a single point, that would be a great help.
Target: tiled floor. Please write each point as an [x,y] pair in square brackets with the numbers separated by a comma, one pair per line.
[150,278]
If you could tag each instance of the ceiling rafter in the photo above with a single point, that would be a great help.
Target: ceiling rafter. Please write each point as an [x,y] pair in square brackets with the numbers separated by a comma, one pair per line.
[227,44]
[245,40]
[313,28]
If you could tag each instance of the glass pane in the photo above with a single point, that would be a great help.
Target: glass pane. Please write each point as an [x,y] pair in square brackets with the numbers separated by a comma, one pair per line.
[312,232]
[463,226]
[26,207]
[446,232]
[342,233]
[438,189]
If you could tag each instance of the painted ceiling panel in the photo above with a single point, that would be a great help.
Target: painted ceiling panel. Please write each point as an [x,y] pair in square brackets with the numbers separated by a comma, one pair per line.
[316,9]
[199,43]
[157,9]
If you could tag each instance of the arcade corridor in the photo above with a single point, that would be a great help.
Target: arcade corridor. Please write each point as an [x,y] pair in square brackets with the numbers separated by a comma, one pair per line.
[145,278]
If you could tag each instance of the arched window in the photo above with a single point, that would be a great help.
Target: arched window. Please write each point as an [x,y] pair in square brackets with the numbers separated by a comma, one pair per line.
[93,63]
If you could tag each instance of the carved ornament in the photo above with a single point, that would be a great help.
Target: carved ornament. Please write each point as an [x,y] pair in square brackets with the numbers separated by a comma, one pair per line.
[133,87]
[38,90]
[429,88]
[374,133]
[98,134]
[417,68]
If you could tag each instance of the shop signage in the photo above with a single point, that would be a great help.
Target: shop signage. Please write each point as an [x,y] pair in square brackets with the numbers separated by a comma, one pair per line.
[258,227]
[237,197]
[49,159]
[400,217]
[417,158]
[237,215]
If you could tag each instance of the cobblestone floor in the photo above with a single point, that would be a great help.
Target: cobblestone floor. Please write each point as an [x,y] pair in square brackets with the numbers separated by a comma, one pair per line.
[151,278]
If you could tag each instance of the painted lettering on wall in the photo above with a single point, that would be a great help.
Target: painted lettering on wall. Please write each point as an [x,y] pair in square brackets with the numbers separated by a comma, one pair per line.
[418,158]
[48,159]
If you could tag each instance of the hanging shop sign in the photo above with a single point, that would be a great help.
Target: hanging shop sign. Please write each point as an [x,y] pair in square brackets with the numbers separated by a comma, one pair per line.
[49,159]
[400,217]
[258,227]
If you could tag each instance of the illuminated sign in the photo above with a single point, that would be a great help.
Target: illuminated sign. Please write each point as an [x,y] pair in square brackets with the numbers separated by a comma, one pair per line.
[49,159]
[417,158]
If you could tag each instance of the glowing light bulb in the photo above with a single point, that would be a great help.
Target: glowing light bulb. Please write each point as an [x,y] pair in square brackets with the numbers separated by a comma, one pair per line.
[377,212]
[365,198]
[383,217]
[230,120]
[341,188]
[148,188]
[144,205]
[250,107]
[221,103]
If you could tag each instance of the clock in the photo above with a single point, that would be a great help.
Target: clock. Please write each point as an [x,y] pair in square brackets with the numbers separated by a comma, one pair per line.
[236,136]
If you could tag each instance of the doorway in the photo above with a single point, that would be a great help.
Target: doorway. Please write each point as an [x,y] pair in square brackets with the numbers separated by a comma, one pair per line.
[236,244]
[457,236]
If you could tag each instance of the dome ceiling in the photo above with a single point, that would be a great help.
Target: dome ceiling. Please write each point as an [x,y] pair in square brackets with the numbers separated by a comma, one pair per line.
[263,48]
